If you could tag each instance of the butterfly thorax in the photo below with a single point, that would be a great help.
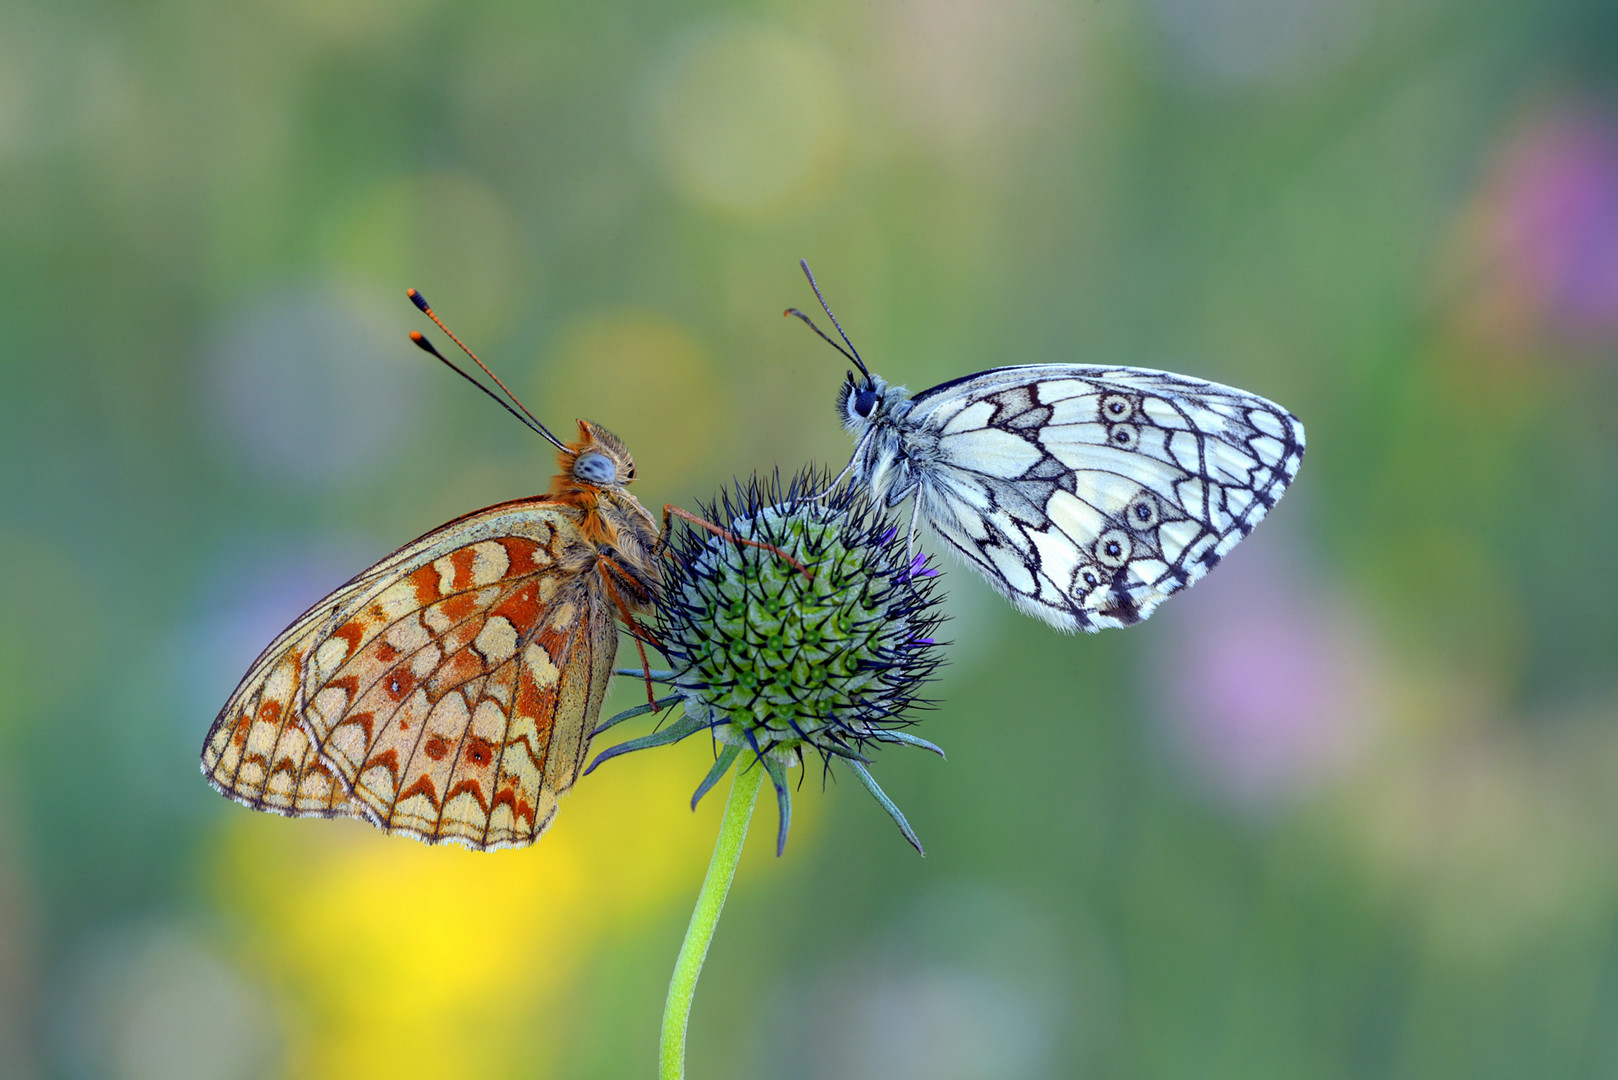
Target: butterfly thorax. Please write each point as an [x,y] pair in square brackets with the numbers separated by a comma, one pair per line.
[628,536]
[592,477]
[891,450]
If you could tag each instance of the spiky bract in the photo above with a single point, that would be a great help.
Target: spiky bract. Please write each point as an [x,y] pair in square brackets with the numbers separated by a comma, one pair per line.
[773,661]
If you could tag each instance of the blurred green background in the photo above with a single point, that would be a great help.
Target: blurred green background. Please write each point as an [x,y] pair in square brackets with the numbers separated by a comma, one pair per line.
[1349,808]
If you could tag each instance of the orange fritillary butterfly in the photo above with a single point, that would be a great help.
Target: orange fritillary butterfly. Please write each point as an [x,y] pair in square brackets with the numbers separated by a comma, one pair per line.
[449,692]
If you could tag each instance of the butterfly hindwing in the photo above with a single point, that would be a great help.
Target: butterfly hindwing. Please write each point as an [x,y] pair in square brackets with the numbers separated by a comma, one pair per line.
[1088,495]
[456,697]
[447,693]
[257,752]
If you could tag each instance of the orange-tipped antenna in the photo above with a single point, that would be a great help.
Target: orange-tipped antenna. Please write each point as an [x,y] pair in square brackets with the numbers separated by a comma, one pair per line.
[532,425]
[532,421]
[852,353]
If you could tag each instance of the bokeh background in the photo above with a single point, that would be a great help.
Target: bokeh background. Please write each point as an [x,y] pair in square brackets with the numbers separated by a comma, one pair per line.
[1349,808]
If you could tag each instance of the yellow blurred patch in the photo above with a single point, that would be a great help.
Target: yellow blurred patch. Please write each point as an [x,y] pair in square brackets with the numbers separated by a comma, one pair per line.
[649,381]
[401,959]
[750,120]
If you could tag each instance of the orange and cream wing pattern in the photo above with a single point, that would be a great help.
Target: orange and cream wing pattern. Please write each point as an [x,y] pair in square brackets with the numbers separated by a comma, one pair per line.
[457,699]
[453,687]
[256,751]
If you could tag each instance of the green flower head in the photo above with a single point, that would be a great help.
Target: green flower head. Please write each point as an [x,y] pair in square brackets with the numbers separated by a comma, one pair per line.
[775,660]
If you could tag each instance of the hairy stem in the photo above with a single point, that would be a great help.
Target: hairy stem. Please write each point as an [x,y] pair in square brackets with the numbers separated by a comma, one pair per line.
[727,852]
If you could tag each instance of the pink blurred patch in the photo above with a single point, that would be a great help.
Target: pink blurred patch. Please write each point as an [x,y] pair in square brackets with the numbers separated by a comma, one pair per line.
[1272,683]
[1539,249]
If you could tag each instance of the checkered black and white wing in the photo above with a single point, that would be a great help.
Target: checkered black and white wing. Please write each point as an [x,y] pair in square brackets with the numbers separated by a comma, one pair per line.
[1088,495]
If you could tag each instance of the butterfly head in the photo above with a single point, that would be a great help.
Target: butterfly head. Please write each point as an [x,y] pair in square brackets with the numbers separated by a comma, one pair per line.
[863,401]
[598,461]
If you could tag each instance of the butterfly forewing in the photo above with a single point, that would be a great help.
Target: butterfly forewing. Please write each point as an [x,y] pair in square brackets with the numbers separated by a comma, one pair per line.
[1087,495]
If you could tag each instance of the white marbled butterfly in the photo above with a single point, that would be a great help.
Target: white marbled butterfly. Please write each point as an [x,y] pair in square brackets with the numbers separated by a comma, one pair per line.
[1086,495]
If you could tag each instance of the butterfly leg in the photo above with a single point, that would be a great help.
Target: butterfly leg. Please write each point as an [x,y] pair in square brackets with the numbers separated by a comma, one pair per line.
[670,510]
[636,630]
[838,479]
[915,516]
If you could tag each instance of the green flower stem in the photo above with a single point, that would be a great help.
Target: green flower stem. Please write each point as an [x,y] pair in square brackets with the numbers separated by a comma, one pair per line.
[727,852]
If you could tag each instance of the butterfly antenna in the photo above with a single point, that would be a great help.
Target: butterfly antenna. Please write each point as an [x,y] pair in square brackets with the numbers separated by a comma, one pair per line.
[853,353]
[795,313]
[427,347]
[426,309]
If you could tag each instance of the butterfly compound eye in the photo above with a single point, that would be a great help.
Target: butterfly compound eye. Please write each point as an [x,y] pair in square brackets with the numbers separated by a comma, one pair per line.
[864,402]
[594,468]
